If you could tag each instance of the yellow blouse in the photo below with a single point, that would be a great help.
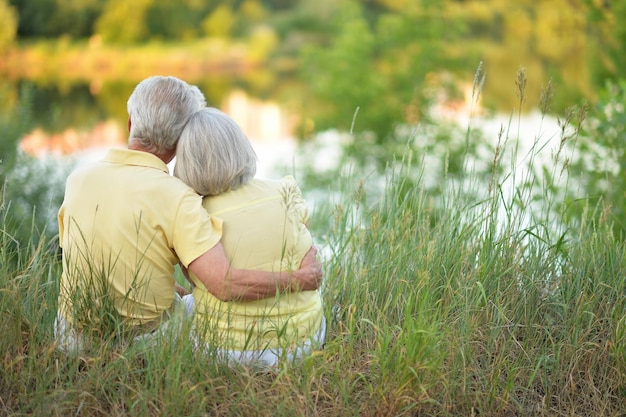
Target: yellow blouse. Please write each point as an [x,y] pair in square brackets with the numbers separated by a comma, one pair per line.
[264,228]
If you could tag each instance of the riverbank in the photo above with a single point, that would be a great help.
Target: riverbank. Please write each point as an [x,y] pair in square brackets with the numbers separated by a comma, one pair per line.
[434,309]
[62,61]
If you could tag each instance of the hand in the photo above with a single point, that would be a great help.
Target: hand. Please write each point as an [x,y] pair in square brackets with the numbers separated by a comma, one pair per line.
[309,276]
[180,290]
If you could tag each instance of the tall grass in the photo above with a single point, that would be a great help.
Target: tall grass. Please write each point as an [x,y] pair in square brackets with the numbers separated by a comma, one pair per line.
[475,300]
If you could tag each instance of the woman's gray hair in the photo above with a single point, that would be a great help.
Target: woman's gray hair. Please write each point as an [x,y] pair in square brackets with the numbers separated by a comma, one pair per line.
[159,108]
[213,154]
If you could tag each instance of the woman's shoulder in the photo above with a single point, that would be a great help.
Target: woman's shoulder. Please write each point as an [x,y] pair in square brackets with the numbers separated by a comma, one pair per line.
[256,191]
[265,185]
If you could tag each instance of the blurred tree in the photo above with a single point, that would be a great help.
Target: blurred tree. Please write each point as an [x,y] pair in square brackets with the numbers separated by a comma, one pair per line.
[379,68]
[602,156]
[8,24]
[252,24]
[253,11]
[560,40]
[34,16]
[220,23]
[262,41]
[75,18]
[342,74]
[547,37]
[278,4]
[15,121]
[52,18]
[606,26]
[174,19]
[304,20]
[124,21]
[599,161]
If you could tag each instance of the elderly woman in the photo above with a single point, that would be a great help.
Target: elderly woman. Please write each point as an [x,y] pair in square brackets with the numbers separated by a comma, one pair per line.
[264,228]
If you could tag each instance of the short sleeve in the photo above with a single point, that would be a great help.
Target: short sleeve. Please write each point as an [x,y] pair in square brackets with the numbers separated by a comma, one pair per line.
[195,232]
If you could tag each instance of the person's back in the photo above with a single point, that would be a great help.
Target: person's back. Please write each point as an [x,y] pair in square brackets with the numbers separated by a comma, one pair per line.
[125,222]
[265,229]
[117,224]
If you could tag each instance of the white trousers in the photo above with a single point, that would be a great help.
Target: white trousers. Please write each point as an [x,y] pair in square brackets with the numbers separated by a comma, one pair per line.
[71,340]
[266,357]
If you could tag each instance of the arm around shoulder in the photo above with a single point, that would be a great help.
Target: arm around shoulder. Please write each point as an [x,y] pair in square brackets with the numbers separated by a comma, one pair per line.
[227,284]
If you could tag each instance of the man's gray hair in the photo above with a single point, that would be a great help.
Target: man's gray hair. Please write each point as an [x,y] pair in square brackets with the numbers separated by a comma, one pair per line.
[159,108]
[213,154]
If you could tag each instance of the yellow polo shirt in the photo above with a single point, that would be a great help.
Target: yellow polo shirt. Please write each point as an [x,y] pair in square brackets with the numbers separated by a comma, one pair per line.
[264,229]
[126,222]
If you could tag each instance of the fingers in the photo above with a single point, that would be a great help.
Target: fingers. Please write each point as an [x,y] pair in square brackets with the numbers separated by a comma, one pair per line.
[310,257]
[310,273]
[316,269]
[312,253]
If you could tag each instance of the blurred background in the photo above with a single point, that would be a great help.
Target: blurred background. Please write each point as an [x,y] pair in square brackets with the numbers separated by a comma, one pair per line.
[294,71]
[296,67]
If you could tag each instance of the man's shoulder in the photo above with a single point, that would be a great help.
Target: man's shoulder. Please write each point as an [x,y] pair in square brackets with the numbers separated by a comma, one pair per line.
[173,185]
[85,170]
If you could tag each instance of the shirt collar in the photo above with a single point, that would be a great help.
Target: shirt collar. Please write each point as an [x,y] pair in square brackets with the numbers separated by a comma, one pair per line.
[131,157]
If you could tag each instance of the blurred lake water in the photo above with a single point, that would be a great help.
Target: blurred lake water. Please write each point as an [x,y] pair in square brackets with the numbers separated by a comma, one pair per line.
[270,129]
[266,124]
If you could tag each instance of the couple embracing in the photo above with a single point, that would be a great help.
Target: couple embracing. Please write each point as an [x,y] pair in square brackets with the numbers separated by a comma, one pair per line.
[242,242]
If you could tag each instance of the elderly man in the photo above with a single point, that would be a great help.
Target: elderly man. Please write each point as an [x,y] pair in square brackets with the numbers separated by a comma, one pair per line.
[125,223]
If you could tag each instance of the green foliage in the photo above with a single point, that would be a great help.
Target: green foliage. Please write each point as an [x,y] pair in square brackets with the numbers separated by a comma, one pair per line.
[15,121]
[33,16]
[8,24]
[31,189]
[342,74]
[220,23]
[375,72]
[600,159]
[443,151]
[114,24]
[33,193]
[44,18]
[174,19]
[607,29]
[75,18]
